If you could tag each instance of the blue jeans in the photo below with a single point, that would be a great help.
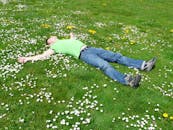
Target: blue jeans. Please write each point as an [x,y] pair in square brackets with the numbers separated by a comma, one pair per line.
[100,58]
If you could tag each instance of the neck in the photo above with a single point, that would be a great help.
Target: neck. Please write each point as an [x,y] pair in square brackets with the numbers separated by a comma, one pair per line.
[53,42]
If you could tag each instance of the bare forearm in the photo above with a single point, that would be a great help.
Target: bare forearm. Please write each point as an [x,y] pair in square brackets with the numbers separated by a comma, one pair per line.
[35,58]
[43,56]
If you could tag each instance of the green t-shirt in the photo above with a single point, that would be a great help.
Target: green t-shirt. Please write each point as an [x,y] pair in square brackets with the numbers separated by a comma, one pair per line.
[68,46]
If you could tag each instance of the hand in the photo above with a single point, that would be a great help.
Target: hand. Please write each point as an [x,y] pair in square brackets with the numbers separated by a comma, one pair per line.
[22,60]
[72,36]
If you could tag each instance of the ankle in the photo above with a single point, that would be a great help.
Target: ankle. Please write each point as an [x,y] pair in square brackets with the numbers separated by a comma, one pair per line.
[143,65]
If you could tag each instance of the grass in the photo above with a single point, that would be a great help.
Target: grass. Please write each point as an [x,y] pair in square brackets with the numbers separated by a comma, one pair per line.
[63,92]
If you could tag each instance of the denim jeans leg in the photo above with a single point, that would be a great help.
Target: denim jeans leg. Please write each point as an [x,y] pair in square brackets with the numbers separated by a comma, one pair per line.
[130,62]
[117,57]
[90,58]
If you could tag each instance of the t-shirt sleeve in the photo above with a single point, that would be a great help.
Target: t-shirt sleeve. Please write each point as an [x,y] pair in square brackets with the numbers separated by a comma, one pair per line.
[53,48]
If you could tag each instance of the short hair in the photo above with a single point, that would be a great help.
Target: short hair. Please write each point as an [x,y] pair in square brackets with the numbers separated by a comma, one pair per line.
[47,41]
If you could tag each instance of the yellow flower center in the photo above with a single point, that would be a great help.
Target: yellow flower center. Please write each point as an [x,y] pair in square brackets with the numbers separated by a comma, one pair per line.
[92,31]
[70,27]
[165,115]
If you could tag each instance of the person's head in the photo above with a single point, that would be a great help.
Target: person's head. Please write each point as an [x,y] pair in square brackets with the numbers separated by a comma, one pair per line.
[51,40]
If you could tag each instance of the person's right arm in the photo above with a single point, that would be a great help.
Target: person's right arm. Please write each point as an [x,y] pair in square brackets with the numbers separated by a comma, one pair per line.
[42,56]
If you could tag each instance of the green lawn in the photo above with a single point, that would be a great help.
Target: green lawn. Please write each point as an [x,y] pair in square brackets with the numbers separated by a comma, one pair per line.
[65,93]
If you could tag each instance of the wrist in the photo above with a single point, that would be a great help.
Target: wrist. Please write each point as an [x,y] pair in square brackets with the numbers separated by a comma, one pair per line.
[26,59]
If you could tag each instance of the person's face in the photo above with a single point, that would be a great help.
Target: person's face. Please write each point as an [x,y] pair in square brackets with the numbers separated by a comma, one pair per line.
[51,40]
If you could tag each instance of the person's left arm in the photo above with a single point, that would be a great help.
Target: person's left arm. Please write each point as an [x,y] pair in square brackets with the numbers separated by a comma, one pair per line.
[72,36]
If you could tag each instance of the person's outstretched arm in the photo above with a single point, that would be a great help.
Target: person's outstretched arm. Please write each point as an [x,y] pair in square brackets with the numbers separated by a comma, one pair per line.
[42,56]
[72,36]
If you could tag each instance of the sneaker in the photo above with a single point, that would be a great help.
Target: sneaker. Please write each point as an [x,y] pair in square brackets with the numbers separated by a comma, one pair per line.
[149,65]
[133,81]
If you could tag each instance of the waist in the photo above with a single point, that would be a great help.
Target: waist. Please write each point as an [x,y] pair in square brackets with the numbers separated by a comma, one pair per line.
[83,48]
